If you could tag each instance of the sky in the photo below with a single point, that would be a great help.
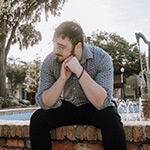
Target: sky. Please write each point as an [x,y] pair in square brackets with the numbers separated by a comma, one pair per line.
[123,17]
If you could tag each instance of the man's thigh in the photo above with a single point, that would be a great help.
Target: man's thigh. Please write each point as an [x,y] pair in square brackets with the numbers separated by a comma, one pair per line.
[52,118]
[88,114]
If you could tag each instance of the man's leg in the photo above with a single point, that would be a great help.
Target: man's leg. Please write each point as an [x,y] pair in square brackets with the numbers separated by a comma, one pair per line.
[42,121]
[110,124]
[112,130]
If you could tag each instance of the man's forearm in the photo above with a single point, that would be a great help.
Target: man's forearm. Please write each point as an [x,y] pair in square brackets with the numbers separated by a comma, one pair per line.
[93,91]
[51,95]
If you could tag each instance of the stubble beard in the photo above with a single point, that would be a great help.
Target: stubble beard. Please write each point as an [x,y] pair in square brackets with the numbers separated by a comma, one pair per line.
[59,60]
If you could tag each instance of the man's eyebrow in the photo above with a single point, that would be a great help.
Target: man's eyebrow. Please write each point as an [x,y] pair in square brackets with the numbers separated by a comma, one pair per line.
[59,44]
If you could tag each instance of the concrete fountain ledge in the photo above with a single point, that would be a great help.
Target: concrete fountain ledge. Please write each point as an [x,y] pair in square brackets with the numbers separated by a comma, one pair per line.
[14,134]
[125,123]
[17,110]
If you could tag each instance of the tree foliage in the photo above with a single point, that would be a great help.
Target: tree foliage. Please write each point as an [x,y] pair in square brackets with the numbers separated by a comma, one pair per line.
[20,73]
[16,73]
[123,54]
[33,75]
[18,19]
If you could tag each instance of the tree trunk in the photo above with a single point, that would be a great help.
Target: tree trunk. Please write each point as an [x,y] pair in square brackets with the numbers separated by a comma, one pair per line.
[2,72]
[2,57]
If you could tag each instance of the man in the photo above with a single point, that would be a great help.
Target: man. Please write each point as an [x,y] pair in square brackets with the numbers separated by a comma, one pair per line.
[76,87]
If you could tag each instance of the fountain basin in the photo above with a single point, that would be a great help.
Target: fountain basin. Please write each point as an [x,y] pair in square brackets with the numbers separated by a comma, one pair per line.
[14,134]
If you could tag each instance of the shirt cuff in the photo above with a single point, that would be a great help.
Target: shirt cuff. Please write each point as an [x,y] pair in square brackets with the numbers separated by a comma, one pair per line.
[43,106]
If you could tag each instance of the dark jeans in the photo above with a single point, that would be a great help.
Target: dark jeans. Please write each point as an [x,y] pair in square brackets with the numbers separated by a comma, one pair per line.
[108,120]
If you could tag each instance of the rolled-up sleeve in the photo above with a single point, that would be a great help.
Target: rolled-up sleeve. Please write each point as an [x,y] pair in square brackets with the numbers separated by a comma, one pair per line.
[46,81]
[105,77]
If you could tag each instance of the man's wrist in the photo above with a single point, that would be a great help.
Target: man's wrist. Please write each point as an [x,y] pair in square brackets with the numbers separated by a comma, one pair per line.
[81,74]
[62,80]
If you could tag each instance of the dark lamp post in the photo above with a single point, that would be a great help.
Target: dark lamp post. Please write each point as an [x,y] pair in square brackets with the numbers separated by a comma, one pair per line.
[122,81]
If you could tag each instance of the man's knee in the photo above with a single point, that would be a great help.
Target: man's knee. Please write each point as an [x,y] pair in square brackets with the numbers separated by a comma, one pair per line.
[36,117]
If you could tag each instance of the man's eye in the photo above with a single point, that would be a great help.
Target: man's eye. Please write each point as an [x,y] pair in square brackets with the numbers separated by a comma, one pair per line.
[61,48]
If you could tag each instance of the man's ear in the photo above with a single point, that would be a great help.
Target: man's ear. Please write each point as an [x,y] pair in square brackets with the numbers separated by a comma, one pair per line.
[78,51]
[78,47]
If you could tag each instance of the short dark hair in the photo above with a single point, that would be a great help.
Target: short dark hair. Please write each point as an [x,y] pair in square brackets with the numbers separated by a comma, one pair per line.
[71,30]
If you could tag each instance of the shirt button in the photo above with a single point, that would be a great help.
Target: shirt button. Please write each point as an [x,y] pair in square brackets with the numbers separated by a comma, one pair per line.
[74,88]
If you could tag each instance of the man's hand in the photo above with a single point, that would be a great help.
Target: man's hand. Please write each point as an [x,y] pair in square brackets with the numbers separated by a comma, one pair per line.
[65,70]
[74,66]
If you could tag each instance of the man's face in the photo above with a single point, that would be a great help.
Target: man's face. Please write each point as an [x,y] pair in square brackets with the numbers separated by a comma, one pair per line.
[62,48]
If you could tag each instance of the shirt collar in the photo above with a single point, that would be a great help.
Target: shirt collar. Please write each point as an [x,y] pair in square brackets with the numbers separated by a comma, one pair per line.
[86,54]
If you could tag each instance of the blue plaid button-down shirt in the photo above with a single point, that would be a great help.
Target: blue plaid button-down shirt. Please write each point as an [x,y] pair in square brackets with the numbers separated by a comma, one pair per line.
[98,65]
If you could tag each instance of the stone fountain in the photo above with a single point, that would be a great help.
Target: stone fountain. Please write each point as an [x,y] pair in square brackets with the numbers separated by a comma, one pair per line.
[145,81]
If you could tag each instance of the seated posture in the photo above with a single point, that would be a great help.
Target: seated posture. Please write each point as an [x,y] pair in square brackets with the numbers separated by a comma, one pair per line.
[76,88]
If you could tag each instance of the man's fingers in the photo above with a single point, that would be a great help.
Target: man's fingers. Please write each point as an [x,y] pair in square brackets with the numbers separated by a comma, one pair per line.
[68,58]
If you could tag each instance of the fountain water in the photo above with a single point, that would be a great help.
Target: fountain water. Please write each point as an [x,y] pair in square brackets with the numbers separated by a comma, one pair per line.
[129,110]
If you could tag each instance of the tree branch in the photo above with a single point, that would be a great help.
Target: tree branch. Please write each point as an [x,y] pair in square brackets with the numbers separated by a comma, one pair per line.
[10,39]
[34,5]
